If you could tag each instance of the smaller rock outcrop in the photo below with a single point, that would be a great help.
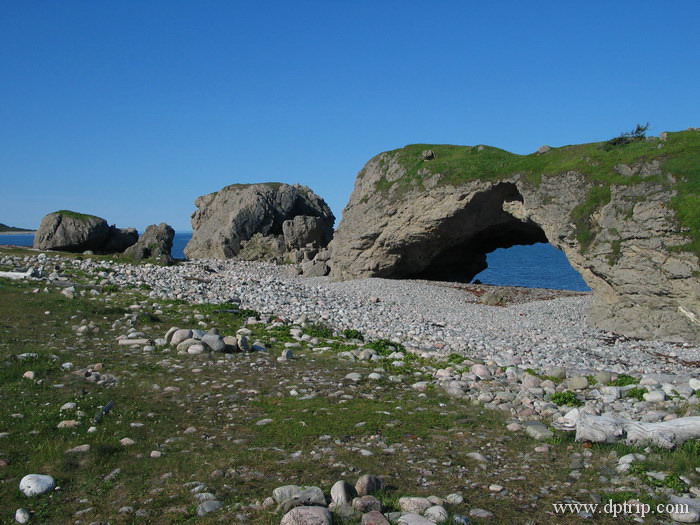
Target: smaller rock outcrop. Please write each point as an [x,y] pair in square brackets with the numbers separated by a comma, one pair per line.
[156,244]
[306,229]
[268,221]
[70,231]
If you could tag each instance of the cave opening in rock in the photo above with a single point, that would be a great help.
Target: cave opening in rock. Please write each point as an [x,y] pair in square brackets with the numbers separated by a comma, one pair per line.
[494,222]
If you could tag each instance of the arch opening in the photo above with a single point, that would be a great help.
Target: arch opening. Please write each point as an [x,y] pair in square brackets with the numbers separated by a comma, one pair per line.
[480,236]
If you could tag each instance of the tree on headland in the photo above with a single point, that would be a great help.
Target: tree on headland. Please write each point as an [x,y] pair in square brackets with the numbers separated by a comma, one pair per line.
[637,134]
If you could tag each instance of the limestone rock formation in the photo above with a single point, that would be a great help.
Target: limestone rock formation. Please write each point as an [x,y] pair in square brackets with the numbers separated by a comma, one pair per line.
[623,216]
[120,239]
[156,244]
[70,231]
[259,222]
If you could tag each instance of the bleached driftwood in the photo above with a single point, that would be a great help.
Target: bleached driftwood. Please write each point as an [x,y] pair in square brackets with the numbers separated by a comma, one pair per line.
[15,276]
[607,429]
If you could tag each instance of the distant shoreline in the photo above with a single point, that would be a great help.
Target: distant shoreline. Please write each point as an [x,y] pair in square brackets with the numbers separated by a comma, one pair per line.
[23,232]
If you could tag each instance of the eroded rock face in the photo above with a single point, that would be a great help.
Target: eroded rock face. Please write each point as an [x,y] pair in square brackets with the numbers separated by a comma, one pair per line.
[248,221]
[156,243]
[408,222]
[70,231]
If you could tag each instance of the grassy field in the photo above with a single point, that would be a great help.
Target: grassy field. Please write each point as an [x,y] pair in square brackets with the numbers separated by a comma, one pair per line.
[201,414]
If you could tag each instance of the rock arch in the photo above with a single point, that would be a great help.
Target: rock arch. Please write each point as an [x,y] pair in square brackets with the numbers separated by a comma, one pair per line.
[401,223]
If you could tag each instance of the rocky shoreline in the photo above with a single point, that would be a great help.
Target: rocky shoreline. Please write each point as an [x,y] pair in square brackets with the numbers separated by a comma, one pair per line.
[534,328]
[532,357]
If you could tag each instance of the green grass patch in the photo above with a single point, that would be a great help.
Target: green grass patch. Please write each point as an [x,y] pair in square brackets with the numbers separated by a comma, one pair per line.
[636,393]
[353,334]
[567,398]
[624,380]
[76,215]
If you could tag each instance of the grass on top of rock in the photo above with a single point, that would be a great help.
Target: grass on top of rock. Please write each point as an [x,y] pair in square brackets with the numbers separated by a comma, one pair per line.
[679,155]
[76,215]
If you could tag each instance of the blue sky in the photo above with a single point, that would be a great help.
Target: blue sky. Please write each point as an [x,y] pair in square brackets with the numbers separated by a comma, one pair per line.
[130,110]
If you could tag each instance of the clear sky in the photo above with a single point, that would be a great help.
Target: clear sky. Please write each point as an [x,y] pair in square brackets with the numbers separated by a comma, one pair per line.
[131,109]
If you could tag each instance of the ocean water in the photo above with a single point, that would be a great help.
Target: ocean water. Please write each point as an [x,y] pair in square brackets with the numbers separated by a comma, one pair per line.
[537,266]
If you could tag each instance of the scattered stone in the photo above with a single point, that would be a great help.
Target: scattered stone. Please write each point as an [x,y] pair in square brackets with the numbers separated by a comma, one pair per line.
[368,485]
[537,430]
[414,504]
[22,516]
[308,516]
[208,506]
[343,493]
[36,484]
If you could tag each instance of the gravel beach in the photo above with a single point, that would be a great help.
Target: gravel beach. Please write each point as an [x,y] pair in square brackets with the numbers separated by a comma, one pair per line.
[431,316]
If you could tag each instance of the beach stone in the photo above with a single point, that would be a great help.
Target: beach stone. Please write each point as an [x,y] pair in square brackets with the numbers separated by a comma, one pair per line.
[36,484]
[310,496]
[285,492]
[215,342]
[374,518]
[366,504]
[692,516]
[354,377]
[308,516]
[195,349]
[481,371]
[694,383]
[243,343]
[179,336]
[22,516]
[537,430]
[436,513]
[455,499]
[578,383]
[412,518]
[603,377]
[477,512]
[556,372]
[78,450]
[208,506]
[655,396]
[368,484]
[169,334]
[414,504]
[343,493]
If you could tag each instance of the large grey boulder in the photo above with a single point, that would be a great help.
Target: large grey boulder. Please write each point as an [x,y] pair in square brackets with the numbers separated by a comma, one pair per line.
[70,231]
[226,221]
[408,218]
[156,244]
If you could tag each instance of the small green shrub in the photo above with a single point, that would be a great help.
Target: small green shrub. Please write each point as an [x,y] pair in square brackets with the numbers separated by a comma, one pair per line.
[624,380]
[318,330]
[567,398]
[110,288]
[456,359]
[353,334]
[637,134]
[636,393]
[384,347]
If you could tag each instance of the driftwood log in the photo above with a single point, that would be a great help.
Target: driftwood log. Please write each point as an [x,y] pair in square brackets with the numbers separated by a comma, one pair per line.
[607,429]
[15,276]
